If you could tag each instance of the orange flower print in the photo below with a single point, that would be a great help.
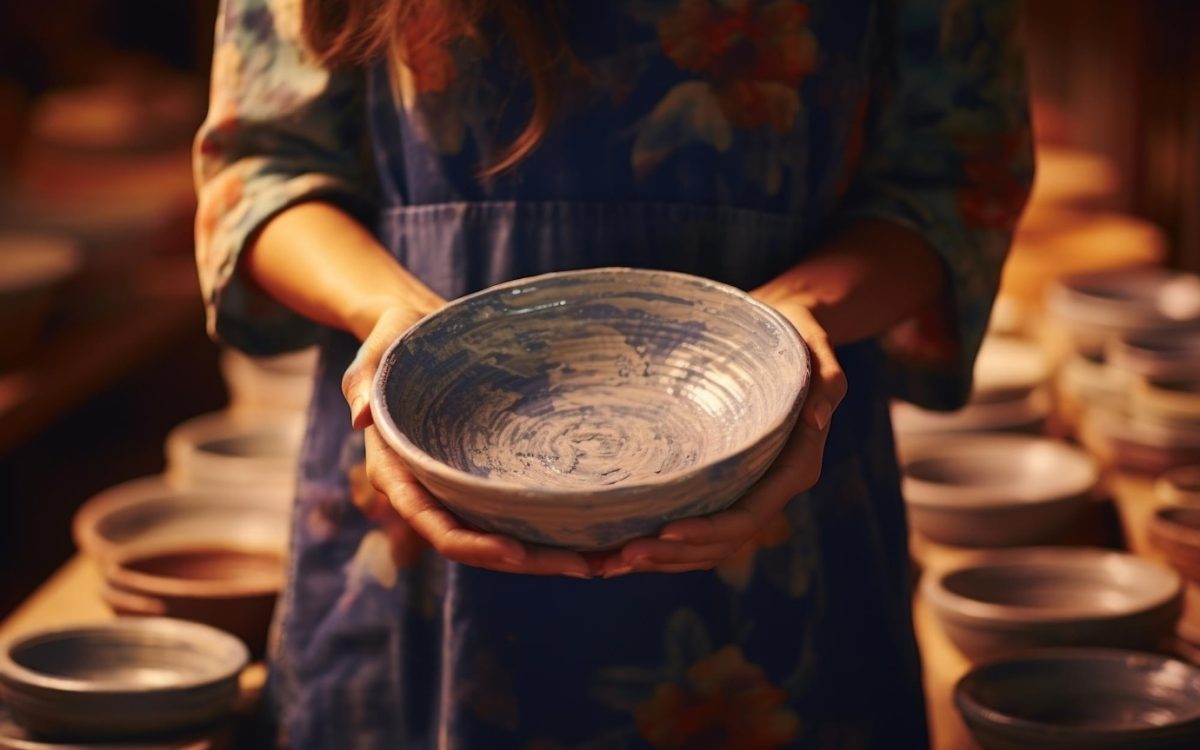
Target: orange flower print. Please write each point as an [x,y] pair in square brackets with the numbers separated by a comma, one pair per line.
[753,54]
[737,569]
[722,703]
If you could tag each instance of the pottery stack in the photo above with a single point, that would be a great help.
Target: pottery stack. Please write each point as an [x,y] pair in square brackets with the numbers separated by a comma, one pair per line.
[206,540]
[1090,374]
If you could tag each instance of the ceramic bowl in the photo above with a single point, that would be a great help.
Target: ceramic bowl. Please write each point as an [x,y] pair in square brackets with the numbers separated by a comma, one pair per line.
[586,408]
[1175,530]
[221,451]
[1168,400]
[1159,353]
[120,679]
[148,513]
[1025,414]
[1179,486]
[1070,699]
[33,269]
[1136,442]
[994,490]
[1093,308]
[268,385]
[1007,601]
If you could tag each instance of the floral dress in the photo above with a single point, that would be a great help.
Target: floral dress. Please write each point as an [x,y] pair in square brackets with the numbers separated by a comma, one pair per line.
[724,138]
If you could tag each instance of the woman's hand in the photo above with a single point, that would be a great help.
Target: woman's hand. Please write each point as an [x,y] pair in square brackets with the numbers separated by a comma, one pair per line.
[417,510]
[703,542]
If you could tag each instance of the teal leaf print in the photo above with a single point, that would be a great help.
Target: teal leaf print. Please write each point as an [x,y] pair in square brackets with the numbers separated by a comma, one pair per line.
[688,113]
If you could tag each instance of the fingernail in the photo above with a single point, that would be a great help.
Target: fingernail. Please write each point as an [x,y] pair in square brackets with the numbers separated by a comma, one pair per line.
[634,559]
[820,416]
[671,536]
[617,570]
[512,560]
[577,574]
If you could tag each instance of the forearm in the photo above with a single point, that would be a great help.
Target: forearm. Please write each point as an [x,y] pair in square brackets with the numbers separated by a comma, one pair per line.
[865,280]
[319,261]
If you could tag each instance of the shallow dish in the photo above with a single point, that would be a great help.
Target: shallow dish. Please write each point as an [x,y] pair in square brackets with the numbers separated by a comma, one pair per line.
[585,408]
[994,490]
[1007,601]
[1175,531]
[1072,699]
[120,679]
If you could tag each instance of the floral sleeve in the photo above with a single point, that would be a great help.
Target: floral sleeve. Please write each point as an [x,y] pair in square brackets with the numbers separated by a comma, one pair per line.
[280,130]
[950,156]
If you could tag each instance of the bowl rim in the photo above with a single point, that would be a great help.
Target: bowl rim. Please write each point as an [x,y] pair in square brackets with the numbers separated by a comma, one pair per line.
[947,603]
[118,574]
[1165,527]
[972,709]
[414,455]
[924,494]
[233,656]
[134,492]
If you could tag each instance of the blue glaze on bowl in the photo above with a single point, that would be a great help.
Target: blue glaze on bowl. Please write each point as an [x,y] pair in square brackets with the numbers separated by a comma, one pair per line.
[586,408]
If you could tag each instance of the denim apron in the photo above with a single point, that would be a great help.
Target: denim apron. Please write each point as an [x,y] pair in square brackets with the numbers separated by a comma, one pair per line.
[803,639]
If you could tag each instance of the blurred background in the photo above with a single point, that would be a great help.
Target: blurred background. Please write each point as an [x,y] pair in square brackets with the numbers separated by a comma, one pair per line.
[106,374]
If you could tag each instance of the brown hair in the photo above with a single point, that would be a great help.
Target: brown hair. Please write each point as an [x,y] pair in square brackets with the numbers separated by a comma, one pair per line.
[348,33]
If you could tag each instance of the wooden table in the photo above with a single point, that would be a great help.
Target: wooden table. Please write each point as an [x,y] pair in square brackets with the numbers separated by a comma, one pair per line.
[73,595]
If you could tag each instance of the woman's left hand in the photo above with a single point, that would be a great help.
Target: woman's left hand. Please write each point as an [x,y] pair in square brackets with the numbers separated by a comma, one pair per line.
[703,542]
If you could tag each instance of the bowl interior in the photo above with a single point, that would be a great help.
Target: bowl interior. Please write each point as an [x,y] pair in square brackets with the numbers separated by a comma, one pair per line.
[1090,690]
[1070,582]
[994,468]
[268,445]
[594,378]
[130,657]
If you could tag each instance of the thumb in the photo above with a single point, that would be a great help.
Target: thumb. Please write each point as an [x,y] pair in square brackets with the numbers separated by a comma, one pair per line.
[359,377]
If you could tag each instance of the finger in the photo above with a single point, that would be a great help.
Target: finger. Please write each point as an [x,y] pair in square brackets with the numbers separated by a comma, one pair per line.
[548,561]
[428,517]
[828,386]
[657,552]
[358,379]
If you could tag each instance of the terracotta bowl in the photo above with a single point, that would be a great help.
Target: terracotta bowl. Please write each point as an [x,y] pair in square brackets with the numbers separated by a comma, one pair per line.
[120,679]
[1068,699]
[225,451]
[586,408]
[995,490]
[1007,601]
[1179,486]
[1165,354]
[1175,530]
[226,586]
[268,385]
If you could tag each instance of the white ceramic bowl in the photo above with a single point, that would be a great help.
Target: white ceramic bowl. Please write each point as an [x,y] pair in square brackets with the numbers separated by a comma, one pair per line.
[585,408]
[994,490]
[1007,601]
[1094,308]
[1072,699]
[268,385]
[120,679]
[221,451]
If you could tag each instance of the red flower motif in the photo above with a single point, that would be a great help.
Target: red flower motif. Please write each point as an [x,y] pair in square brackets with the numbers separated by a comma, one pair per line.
[994,195]
[724,703]
[753,54]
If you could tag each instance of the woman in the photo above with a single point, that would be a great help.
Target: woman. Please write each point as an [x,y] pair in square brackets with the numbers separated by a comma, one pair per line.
[858,164]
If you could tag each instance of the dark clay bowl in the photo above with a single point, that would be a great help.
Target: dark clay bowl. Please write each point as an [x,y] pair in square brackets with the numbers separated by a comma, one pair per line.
[1082,699]
[585,408]
[120,679]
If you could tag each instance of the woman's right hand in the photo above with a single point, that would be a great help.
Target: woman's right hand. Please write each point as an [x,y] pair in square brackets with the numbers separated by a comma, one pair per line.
[417,510]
